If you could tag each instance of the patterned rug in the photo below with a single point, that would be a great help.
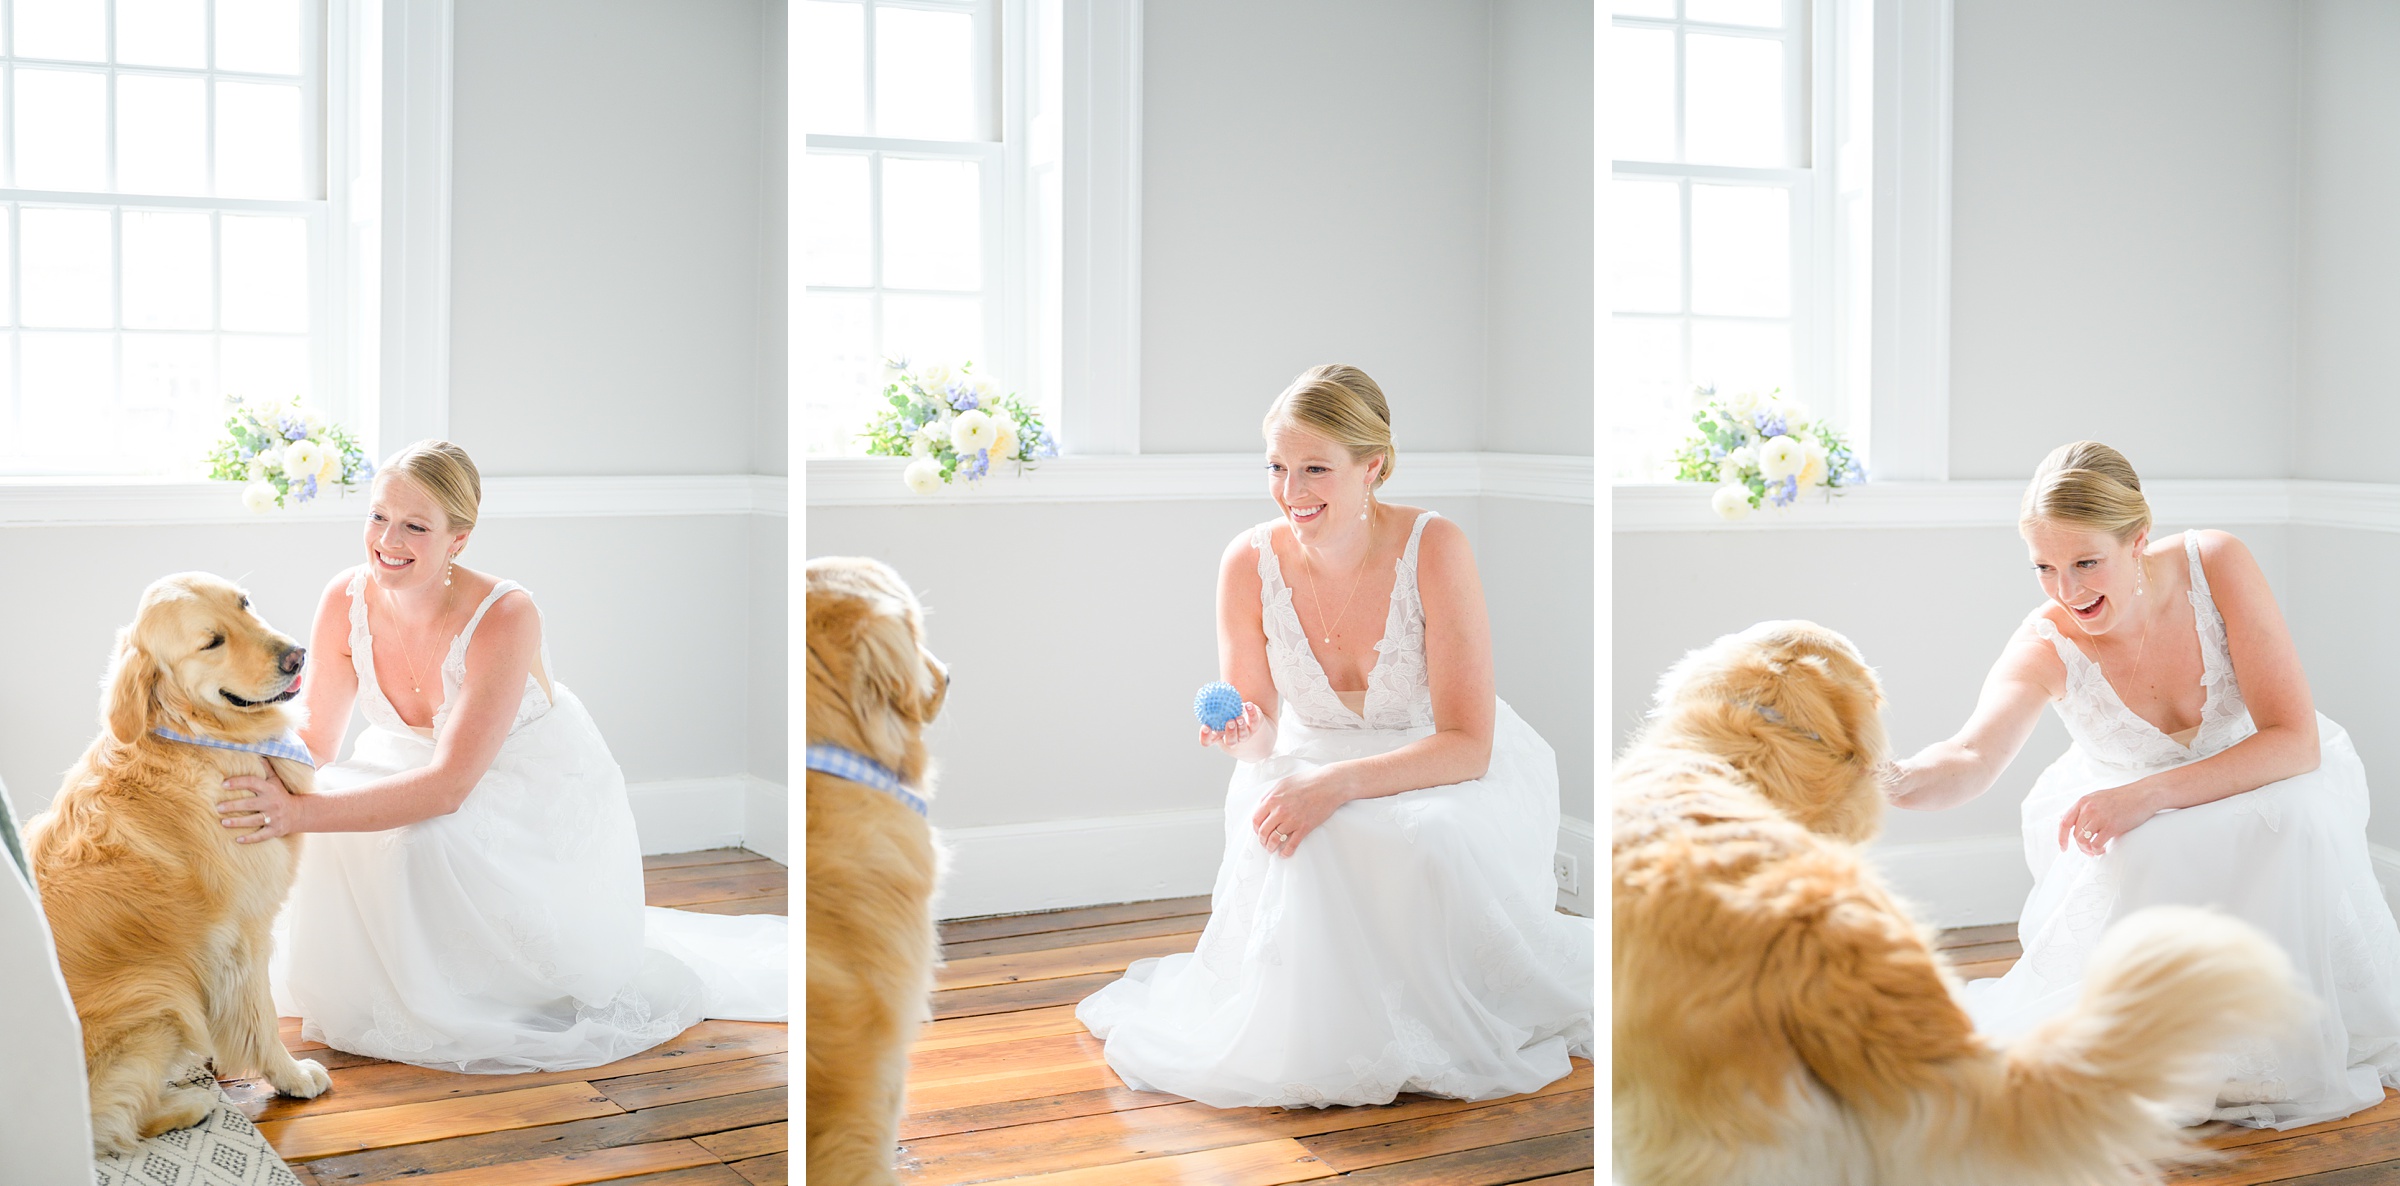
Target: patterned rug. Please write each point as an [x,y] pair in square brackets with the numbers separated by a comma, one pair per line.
[223,1150]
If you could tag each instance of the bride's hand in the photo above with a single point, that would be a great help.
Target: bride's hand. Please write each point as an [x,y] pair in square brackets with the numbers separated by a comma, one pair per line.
[2103,816]
[1294,806]
[271,810]
[1236,731]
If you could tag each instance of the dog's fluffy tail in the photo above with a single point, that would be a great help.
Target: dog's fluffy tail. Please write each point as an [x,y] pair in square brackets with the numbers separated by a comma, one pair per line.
[2107,1084]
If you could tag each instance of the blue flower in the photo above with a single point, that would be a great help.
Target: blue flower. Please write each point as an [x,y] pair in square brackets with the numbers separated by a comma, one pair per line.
[308,489]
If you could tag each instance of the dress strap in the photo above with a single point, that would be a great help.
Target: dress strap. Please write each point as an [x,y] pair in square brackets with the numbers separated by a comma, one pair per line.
[1416,532]
[2068,653]
[498,591]
[1270,573]
[2191,548]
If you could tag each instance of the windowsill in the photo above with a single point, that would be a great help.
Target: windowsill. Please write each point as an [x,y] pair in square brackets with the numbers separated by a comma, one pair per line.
[58,502]
[1684,506]
[1162,477]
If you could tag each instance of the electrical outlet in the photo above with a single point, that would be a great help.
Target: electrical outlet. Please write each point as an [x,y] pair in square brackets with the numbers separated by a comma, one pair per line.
[1562,870]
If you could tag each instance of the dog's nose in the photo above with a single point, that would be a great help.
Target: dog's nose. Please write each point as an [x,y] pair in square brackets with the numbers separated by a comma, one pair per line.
[292,659]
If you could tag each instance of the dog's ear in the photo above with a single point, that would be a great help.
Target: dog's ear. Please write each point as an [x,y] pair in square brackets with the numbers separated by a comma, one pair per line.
[890,667]
[131,692]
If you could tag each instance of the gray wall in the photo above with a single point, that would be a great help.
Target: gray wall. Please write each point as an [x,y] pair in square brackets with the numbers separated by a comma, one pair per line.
[613,251]
[1313,190]
[2349,407]
[1537,374]
[2122,260]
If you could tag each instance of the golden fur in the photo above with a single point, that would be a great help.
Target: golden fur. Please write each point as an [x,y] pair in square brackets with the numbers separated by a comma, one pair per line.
[161,919]
[1779,1016]
[872,689]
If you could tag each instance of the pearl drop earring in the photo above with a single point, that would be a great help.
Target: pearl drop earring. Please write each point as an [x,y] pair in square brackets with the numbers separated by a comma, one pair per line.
[2141,568]
[448,567]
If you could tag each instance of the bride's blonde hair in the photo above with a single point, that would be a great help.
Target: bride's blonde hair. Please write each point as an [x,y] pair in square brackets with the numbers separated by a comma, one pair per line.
[1343,405]
[447,473]
[2087,485]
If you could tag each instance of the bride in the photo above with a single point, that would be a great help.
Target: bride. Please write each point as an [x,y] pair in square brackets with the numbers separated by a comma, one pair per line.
[2201,773]
[1382,921]
[473,901]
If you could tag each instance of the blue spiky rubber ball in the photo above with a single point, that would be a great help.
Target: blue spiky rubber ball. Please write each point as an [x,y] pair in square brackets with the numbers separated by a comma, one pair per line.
[1217,705]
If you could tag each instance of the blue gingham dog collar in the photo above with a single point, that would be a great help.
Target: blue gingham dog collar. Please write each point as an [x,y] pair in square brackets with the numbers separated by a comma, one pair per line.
[287,746]
[863,770]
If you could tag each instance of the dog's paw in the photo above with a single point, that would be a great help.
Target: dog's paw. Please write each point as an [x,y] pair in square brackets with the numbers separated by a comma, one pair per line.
[307,1079]
[180,1106]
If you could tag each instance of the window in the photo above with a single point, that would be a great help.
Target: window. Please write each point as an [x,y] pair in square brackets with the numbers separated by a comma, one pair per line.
[1740,199]
[932,184]
[176,225]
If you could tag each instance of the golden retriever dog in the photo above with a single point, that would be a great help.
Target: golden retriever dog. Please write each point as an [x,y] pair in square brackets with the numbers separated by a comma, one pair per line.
[872,864]
[1781,1019]
[162,920]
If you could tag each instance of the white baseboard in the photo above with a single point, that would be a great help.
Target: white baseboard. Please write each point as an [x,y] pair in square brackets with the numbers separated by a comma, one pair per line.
[1958,883]
[689,814]
[1056,864]
[1575,840]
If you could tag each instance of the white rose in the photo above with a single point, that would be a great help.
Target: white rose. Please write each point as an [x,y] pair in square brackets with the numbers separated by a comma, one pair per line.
[1741,459]
[1742,404]
[258,469]
[258,496]
[917,447]
[1814,471]
[924,475]
[331,474]
[302,459]
[972,431]
[934,378]
[1004,442]
[1730,502]
[1780,458]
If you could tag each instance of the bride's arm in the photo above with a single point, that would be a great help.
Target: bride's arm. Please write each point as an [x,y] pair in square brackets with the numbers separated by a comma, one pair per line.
[1242,655]
[1948,773]
[331,684]
[2273,688]
[499,659]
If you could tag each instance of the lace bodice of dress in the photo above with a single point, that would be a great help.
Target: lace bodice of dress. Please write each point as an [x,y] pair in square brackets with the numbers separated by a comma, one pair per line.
[2109,732]
[378,709]
[1398,694]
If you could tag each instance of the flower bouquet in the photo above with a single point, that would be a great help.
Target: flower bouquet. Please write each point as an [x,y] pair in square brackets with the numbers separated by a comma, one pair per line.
[1762,449]
[288,455]
[955,424]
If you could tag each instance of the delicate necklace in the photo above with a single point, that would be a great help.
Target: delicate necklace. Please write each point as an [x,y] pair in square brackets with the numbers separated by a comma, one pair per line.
[1314,592]
[415,684]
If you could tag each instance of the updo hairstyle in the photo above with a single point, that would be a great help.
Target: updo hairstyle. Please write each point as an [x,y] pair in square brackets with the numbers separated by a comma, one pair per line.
[1343,405]
[2090,486]
[444,471]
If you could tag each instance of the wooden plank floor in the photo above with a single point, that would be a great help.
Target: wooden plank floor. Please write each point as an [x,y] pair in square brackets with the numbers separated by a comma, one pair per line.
[1005,1085]
[2357,1150]
[706,1109]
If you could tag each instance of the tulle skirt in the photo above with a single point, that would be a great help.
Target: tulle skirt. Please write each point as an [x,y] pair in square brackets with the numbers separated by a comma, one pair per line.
[1409,944]
[509,935]
[2289,858]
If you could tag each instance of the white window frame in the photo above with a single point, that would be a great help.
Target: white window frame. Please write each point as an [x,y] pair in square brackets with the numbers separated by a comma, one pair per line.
[404,319]
[1898,416]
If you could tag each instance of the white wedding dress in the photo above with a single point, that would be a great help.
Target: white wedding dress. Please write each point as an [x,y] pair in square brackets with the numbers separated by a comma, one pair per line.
[509,935]
[2289,857]
[1408,944]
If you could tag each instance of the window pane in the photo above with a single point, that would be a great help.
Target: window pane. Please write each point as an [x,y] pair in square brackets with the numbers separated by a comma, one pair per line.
[1646,361]
[264,368]
[258,140]
[166,269]
[924,74]
[67,265]
[1641,94]
[1733,100]
[173,372]
[266,273]
[1763,13]
[62,133]
[76,30]
[835,207]
[1665,8]
[1646,232]
[842,385]
[1735,356]
[162,135]
[932,224]
[833,67]
[162,32]
[1741,250]
[258,36]
[6,313]
[924,330]
[69,391]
